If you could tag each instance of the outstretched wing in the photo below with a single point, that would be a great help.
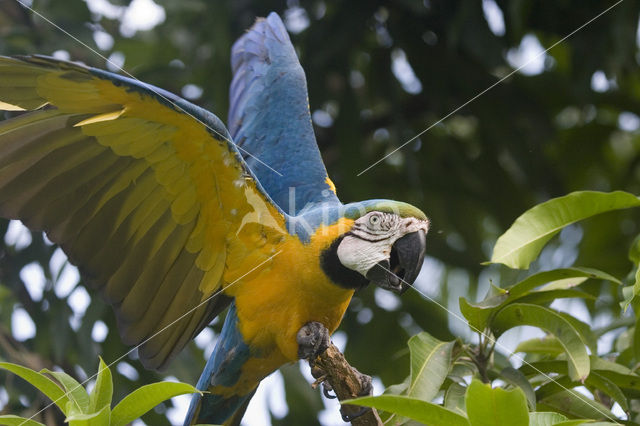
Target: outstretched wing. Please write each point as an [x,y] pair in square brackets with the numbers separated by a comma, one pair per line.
[269,117]
[143,190]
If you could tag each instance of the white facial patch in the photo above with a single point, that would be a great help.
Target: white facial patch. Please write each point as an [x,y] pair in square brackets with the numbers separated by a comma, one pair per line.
[361,255]
[372,237]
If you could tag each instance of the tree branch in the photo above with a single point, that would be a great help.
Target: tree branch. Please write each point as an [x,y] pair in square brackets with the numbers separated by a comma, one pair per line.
[332,368]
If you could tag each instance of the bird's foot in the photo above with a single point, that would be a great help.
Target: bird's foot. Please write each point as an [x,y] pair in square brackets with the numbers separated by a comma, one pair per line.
[348,418]
[327,389]
[322,379]
[313,339]
[365,384]
[350,412]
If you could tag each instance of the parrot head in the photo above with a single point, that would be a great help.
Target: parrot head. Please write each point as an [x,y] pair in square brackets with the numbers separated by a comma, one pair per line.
[385,246]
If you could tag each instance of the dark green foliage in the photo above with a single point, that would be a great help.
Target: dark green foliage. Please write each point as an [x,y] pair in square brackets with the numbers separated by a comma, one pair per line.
[547,383]
[83,408]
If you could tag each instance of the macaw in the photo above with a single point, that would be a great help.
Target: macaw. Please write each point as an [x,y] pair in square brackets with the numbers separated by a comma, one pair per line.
[173,218]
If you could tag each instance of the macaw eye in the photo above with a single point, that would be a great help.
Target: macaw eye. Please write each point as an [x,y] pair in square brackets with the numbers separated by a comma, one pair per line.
[374,220]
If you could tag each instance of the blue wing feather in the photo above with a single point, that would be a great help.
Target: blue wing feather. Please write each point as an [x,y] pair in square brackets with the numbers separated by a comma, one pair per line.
[269,117]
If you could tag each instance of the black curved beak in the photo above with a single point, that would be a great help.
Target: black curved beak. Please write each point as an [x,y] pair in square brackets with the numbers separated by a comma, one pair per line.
[404,264]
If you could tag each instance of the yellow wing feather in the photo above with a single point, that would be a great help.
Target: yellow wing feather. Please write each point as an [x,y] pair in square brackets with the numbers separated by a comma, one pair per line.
[142,197]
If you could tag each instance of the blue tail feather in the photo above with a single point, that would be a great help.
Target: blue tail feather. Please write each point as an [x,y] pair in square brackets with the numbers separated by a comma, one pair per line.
[222,369]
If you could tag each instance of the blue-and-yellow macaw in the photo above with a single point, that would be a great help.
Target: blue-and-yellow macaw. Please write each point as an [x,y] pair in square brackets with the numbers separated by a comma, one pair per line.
[160,210]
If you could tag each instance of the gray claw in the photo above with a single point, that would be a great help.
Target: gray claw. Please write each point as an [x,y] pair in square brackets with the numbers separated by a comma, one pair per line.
[326,391]
[313,339]
[349,417]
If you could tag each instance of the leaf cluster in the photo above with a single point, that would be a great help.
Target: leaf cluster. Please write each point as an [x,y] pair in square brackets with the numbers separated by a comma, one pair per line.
[560,378]
[83,408]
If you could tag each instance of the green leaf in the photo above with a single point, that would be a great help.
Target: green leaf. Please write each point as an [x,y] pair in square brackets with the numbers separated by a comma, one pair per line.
[627,295]
[574,404]
[548,344]
[545,418]
[547,296]
[11,420]
[400,388]
[44,384]
[564,284]
[558,275]
[145,398]
[494,290]
[430,362]
[488,406]
[600,364]
[99,418]
[623,342]
[594,381]
[584,331]
[608,387]
[551,321]
[478,313]
[460,369]
[526,237]
[636,341]
[545,367]
[77,394]
[636,283]
[597,364]
[555,385]
[578,422]
[628,382]
[516,378]
[103,390]
[415,409]
[454,398]
[634,251]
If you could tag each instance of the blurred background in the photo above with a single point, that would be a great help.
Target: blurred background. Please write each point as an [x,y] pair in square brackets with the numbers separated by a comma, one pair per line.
[379,73]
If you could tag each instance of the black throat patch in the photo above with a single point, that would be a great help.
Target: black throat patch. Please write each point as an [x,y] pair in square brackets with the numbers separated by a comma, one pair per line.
[337,272]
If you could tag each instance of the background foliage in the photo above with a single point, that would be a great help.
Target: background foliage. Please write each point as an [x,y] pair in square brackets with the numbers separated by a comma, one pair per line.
[379,73]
